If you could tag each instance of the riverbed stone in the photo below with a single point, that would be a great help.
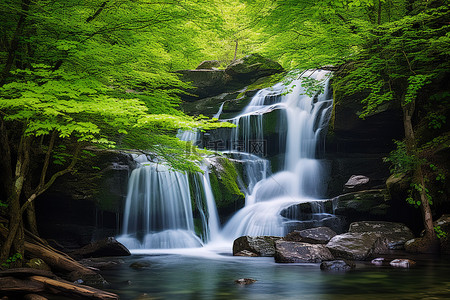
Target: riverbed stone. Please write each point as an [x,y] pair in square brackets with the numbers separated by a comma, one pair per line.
[260,245]
[396,233]
[357,246]
[318,235]
[102,248]
[245,281]
[402,263]
[356,183]
[337,265]
[246,253]
[298,252]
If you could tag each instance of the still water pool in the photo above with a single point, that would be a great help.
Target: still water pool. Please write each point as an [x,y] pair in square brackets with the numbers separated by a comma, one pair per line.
[197,274]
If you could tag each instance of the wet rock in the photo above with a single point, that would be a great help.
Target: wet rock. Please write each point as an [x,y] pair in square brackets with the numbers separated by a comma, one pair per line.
[378,261]
[39,264]
[261,245]
[356,183]
[443,226]
[246,253]
[318,235]
[363,205]
[402,263]
[298,252]
[92,279]
[138,265]
[357,246]
[103,248]
[208,64]
[100,263]
[396,233]
[245,281]
[422,245]
[337,265]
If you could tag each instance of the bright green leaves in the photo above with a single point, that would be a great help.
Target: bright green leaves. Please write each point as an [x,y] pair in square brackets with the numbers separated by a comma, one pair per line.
[415,84]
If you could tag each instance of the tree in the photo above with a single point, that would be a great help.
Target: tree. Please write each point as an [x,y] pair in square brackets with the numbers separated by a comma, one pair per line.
[86,73]
[397,50]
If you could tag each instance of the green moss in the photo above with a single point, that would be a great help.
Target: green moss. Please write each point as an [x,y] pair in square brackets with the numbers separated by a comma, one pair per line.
[224,184]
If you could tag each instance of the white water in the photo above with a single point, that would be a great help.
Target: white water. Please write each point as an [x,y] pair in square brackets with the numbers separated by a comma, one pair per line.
[158,213]
[300,180]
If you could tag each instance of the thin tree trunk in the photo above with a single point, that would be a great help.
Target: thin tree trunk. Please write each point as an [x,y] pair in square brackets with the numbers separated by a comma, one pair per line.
[236,49]
[14,44]
[418,177]
[379,12]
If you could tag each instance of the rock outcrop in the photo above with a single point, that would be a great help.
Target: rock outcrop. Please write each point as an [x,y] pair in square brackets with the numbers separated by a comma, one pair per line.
[297,252]
[260,245]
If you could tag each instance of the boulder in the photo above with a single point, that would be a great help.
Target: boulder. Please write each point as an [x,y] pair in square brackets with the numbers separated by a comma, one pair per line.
[105,247]
[397,234]
[357,246]
[260,245]
[377,261]
[297,252]
[363,205]
[337,265]
[356,183]
[254,65]
[208,65]
[402,263]
[318,235]
[246,253]
[443,228]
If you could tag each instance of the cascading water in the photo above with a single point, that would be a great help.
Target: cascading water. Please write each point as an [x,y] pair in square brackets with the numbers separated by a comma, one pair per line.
[300,179]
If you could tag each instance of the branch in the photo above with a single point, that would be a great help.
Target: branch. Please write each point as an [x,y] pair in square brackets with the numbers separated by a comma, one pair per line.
[99,10]
[40,189]
[47,158]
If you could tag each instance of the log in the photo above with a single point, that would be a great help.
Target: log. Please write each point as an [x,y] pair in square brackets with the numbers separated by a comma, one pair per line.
[11,284]
[56,260]
[73,289]
[26,272]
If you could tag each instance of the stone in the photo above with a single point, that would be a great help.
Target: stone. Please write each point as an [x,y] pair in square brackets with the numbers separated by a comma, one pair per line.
[245,281]
[102,248]
[337,265]
[260,245]
[246,253]
[363,205]
[377,261]
[138,265]
[92,279]
[298,252]
[357,246]
[443,226]
[39,264]
[208,65]
[254,65]
[402,263]
[396,233]
[318,235]
[356,183]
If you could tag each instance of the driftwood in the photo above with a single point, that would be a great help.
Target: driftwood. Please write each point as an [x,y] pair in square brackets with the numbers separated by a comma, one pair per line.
[26,272]
[11,284]
[73,289]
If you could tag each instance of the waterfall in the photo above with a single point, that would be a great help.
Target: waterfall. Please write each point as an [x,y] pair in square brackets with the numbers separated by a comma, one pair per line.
[300,178]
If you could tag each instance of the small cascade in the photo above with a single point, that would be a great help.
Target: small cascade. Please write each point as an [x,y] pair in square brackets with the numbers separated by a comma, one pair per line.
[300,179]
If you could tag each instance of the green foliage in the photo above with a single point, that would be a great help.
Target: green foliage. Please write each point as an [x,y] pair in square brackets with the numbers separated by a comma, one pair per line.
[440,233]
[12,259]
[400,160]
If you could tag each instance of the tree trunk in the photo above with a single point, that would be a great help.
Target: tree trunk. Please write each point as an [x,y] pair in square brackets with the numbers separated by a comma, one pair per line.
[379,12]
[235,49]
[418,177]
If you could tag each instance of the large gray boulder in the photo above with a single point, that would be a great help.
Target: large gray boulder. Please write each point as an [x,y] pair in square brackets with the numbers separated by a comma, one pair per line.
[318,235]
[397,234]
[260,245]
[297,252]
[356,183]
[102,248]
[253,65]
[357,246]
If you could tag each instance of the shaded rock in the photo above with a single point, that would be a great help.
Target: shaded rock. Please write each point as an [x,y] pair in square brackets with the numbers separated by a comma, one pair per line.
[245,281]
[92,279]
[319,235]
[103,248]
[208,64]
[138,265]
[246,253]
[254,65]
[206,83]
[396,233]
[337,265]
[297,252]
[377,261]
[261,245]
[100,264]
[443,226]
[357,246]
[39,264]
[402,263]
[422,245]
[356,183]
[363,205]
